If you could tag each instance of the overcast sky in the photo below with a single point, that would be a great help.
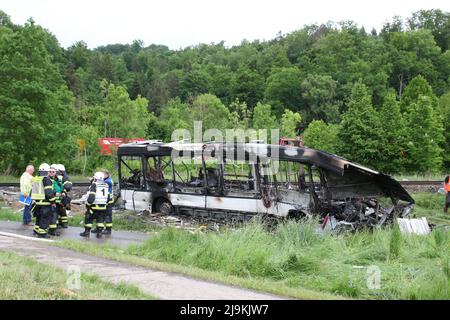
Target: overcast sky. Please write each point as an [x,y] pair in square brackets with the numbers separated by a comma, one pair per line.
[178,23]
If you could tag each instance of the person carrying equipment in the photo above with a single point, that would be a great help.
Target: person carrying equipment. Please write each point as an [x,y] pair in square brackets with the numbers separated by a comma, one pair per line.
[96,205]
[44,201]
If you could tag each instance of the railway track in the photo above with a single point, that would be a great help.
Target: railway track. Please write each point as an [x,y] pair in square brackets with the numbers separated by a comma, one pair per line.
[407,183]
[16,184]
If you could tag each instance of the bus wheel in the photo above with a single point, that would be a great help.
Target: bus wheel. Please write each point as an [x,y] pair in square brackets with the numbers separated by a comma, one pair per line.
[164,207]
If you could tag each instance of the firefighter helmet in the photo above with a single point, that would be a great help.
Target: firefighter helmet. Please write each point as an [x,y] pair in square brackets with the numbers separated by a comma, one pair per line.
[44,167]
[99,176]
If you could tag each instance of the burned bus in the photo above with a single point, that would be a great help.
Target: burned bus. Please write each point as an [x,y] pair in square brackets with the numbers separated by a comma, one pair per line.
[238,181]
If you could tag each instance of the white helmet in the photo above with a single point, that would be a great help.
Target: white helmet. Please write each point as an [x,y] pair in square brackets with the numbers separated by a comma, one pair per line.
[99,176]
[44,167]
[61,167]
[58,167]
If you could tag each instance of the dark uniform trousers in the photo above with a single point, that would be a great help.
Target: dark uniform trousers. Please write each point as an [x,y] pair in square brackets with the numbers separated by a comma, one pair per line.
[44,218]
[108,215]
[61,213]
[97,213]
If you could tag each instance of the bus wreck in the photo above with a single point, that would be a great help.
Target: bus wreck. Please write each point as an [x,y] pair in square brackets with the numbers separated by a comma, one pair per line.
[238,181]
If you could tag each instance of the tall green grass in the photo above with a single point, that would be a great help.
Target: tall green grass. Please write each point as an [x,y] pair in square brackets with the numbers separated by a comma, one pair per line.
[412,267]
[24,278]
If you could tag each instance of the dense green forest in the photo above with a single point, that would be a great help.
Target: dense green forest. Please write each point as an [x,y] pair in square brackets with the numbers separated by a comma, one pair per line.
[378,98]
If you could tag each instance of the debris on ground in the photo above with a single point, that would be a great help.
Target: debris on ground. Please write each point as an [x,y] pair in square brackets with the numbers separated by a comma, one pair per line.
[414,226]
[356,214]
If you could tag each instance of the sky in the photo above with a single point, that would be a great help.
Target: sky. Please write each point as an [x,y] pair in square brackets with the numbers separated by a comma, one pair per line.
[178,24]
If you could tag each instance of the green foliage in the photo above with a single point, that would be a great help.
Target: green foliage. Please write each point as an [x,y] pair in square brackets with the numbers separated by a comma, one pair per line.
[24,278]
[296,256]
[121,116]
[263,117]
[444,111]
[359,134]
[34,100]
[424,140]
[393,152]
[176,115]
[395,242]
[319,94]
[211,111]
[289,123]
[322,136]
[240,115]
[417,87]
[148,91]
[283,89]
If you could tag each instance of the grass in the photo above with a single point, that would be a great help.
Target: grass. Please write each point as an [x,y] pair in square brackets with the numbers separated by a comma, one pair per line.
[295,261]
[431,206]
[254,283]
[24,278]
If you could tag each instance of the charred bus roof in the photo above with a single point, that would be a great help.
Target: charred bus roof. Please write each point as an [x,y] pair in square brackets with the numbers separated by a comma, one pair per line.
[342,173]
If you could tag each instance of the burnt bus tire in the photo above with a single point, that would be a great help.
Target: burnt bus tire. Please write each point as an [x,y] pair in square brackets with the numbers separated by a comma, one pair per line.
[164,207]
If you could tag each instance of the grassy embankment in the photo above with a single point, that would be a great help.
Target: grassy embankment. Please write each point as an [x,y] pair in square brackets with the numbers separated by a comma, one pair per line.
[296,261]
[24,278]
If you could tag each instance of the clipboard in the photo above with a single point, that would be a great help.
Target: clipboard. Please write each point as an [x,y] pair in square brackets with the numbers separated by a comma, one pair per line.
[26,201]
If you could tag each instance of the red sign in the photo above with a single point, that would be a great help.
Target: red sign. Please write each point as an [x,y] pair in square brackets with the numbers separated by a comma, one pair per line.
[108,144]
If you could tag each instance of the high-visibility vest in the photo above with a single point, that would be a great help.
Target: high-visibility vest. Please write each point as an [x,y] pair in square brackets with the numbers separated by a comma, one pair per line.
[58,188]
[37,188]
[101,193]
[447,186]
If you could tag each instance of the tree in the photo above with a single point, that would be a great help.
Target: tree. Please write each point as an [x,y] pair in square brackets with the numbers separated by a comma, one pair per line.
[283,89]
[425,134]
[247,86]
[319,95]
[412,53]
[289,123]
[444,111]
[322,136]
[240,115]
[175,115]
[211,111]
[359,133]
[32,95]
[393,142]
[263,117]
[120,116]
[417,87]
[435,20]
[194,82]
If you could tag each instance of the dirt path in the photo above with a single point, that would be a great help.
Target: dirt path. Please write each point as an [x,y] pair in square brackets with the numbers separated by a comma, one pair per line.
[163,285]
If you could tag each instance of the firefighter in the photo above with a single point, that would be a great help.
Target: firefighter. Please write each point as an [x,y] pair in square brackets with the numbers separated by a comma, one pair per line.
[63,186]
[108,214]
[96,205]
[447,193]
[44,198]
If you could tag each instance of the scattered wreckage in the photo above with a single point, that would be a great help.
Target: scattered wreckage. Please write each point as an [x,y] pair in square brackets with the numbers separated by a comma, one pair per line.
[238,181]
